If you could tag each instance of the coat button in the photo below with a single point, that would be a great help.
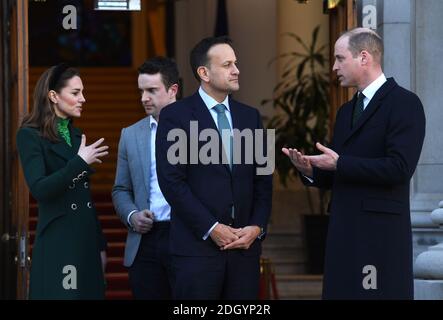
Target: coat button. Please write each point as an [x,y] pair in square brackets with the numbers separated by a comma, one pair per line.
[89,204]
[86,185]
[74,206]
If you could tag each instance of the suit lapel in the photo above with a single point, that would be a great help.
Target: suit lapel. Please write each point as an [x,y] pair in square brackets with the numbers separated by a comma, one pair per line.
[62,149]
[235,114]
[201,113]
[237,122]
[373,105]
[143,137]
[76,138]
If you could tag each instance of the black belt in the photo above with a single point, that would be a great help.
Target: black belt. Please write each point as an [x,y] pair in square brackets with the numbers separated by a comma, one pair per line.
[162,224]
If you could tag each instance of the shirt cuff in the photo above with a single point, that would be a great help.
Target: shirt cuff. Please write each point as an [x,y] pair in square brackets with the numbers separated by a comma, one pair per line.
[129,218]
[209,232]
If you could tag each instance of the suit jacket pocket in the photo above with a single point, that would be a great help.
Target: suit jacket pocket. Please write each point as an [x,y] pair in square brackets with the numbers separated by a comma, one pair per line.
[384,206]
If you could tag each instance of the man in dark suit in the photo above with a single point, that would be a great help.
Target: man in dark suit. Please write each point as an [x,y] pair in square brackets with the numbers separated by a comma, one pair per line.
[219,210]
[377,141]
[136,195]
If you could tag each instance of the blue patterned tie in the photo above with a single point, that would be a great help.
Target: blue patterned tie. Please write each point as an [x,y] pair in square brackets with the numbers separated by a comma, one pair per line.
[223,124]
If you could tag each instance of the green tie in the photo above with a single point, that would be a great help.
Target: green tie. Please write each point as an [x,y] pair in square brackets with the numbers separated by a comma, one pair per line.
[223,124]
[62,128]
[358,108]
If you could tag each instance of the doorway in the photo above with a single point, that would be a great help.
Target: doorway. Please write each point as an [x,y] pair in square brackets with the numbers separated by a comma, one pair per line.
[13,191]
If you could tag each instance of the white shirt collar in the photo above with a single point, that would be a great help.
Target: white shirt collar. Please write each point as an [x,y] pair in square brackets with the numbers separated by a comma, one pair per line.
[152,122]
[370,90]
[210,102]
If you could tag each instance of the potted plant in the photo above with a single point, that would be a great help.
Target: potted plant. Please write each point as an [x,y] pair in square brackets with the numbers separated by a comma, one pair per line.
[302,102]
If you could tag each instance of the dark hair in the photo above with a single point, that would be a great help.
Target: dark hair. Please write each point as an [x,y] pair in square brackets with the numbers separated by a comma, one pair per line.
[199,54]
[163,65]
[43,116]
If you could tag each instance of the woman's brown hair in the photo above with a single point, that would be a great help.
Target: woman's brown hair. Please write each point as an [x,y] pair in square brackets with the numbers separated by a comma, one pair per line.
[43,116]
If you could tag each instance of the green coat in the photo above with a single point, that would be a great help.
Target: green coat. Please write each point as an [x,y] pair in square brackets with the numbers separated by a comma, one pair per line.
[66,261]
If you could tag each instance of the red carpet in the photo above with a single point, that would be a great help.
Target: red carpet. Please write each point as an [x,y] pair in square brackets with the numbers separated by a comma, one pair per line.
[115,233]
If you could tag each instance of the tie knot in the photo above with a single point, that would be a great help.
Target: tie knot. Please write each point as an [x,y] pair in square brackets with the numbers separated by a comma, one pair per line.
[220,108]
[361,96]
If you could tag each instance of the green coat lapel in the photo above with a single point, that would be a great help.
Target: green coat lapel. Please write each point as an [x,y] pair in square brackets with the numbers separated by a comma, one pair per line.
[63,150]
[76,139]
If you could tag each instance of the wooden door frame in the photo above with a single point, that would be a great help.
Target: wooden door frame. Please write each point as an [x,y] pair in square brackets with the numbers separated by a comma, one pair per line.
[15,209]
[7,248]
[19,107]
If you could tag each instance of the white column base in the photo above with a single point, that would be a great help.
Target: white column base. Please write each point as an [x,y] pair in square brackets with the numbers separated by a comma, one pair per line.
[428,289]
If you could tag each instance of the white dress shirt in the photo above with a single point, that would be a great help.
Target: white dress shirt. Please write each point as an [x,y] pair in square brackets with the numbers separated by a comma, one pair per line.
[372,89]
[158,204]
[210,103]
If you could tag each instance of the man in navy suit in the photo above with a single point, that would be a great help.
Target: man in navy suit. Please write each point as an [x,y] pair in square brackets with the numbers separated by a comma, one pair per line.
[378,137]
[219,210]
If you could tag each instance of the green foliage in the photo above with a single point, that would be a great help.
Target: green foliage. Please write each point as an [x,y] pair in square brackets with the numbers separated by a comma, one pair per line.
[302,98]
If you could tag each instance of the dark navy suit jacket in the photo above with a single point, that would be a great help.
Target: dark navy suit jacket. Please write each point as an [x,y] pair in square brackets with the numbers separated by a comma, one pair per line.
[202,194]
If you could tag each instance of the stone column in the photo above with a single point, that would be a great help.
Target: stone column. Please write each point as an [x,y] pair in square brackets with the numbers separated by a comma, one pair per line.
[428,268]
[412,30]
[427,71]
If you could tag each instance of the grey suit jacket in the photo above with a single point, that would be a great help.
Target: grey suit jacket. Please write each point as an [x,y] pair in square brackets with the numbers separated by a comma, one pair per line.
[131,187]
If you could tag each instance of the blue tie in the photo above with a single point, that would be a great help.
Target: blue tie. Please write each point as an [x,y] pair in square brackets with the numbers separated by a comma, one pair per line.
[223,124]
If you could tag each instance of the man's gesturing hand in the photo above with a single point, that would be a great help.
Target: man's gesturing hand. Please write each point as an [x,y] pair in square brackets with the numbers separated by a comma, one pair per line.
[300,161]
[327,160]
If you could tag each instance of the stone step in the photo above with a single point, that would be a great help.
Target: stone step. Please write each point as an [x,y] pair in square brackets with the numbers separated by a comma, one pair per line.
[286,266]
[283,238]
[299,287]
[282,250]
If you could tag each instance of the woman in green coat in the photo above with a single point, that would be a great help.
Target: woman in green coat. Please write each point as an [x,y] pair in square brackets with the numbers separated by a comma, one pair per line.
[68,256]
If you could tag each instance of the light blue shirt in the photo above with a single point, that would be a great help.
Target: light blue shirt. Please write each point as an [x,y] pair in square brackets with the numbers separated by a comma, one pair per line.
[210,103]
[158,204]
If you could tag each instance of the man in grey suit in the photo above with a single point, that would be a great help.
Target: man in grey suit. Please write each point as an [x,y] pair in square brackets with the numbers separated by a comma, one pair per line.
[136,194]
